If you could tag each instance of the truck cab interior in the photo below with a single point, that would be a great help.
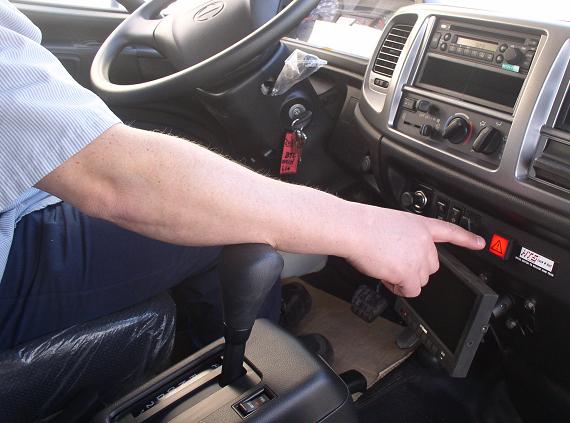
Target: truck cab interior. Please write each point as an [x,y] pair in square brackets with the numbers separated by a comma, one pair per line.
[456,110]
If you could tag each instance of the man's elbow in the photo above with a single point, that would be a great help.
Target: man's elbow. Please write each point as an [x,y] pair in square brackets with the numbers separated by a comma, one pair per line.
[104,203]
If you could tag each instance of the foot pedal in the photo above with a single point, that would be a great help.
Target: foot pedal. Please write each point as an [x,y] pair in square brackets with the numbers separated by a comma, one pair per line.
[367,303]
[295,306]
[354,381]
[318,345]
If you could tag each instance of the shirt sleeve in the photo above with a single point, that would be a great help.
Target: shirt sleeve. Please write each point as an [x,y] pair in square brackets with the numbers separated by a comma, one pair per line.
[45,116]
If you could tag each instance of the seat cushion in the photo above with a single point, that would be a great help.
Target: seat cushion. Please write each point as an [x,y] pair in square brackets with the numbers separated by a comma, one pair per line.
[102,356]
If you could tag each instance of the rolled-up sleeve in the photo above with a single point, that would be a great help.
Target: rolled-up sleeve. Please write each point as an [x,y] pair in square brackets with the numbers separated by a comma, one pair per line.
[45,116]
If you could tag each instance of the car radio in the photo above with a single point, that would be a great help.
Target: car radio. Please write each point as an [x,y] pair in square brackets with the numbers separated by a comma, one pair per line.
[478,64]
[502,49]
[464,93]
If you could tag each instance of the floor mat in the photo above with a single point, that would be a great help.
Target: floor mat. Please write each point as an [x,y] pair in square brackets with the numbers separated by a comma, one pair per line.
[367,347]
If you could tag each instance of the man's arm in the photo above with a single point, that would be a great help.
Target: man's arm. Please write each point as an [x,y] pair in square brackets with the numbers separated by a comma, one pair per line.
[176,191]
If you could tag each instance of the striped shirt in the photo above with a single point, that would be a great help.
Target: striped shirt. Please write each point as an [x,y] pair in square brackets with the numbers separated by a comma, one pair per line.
[45,118]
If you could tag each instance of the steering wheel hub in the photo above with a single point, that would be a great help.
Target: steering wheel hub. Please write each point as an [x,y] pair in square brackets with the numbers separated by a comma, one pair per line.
[205,42]
[209,11]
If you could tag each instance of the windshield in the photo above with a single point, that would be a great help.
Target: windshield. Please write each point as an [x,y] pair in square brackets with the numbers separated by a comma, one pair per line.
[354,27]
[553,9]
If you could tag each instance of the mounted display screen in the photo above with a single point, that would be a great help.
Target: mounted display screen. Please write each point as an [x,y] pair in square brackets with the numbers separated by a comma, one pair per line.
[451,314]
[445,296]
[473,81]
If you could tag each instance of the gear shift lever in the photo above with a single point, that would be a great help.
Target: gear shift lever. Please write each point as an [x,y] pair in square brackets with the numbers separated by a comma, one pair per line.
[247,273]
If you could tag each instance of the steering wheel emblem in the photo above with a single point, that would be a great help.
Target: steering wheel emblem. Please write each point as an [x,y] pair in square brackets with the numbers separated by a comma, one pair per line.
[209,11]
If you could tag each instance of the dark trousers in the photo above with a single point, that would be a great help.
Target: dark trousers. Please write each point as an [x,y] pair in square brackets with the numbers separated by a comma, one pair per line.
[66,268]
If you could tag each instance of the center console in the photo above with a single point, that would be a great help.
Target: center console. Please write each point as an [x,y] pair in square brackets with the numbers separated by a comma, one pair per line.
[465,112]
[257,373]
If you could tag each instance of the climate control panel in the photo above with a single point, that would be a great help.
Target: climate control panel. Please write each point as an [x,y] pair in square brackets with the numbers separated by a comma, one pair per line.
[470,135]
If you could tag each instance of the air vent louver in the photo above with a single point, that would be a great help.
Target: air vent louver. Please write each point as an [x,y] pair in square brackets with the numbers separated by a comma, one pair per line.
[391,49]
[553,165]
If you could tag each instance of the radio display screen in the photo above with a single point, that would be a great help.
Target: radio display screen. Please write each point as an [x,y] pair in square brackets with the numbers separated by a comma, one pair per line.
[473,81]
[471,42]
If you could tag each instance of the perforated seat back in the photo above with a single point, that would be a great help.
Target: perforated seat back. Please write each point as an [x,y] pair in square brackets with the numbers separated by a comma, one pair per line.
[39,378]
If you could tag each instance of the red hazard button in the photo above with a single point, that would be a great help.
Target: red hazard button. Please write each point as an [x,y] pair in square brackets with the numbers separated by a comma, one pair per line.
[499,246]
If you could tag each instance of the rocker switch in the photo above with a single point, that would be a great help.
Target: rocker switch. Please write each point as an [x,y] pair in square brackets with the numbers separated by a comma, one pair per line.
[252,404]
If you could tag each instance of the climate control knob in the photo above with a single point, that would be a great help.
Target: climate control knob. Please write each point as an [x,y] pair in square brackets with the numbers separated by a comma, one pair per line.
[456,130]
[487,141]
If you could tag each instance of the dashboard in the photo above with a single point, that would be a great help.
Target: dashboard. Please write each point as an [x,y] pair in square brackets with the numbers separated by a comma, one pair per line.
[467,117]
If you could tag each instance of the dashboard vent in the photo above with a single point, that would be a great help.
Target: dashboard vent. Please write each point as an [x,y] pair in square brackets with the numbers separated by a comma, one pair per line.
[391,49]
[553,165]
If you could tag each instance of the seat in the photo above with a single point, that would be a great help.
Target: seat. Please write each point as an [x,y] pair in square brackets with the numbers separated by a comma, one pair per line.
[43,378]
[297,265]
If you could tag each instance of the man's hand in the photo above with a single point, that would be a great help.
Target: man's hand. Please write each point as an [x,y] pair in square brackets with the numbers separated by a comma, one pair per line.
[400,249]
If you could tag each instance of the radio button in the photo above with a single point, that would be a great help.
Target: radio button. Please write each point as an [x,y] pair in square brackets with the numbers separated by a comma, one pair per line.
[452,49]
[499,58]
[381,83]
[426,106]
[409,103]
[503,47]
[482,55]
[447,37]
[459,50]
[532,43]
[435,40]
[525,64]
[443,46]
[489,57]
[466,52]
[474,53]
[513,55]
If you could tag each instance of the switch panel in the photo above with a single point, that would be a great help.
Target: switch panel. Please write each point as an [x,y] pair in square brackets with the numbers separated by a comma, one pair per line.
[465,134]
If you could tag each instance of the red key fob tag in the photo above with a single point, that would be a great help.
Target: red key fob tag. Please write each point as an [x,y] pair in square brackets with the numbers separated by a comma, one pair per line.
[291,154]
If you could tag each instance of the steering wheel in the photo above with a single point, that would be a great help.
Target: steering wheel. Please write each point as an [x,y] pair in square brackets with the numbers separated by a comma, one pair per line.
[205,41]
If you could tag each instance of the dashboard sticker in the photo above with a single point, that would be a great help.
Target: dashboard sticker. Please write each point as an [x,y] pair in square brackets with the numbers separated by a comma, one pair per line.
[512,68]
[536,261]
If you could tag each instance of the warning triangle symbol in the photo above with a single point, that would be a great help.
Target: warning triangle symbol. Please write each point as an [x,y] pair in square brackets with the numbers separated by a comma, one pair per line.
[497,247]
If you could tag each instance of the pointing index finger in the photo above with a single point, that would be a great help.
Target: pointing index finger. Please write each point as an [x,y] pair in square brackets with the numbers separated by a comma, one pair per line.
[448,232]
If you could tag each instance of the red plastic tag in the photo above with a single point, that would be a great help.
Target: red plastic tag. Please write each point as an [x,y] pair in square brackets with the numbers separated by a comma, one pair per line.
[291,155]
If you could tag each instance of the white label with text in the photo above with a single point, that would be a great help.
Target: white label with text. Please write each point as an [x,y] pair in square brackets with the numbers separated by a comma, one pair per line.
[536,261]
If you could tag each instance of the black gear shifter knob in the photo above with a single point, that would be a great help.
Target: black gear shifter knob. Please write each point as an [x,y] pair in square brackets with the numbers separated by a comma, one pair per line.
[247,273]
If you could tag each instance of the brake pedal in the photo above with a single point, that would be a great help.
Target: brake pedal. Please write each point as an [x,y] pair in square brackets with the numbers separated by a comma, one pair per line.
[367,303]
